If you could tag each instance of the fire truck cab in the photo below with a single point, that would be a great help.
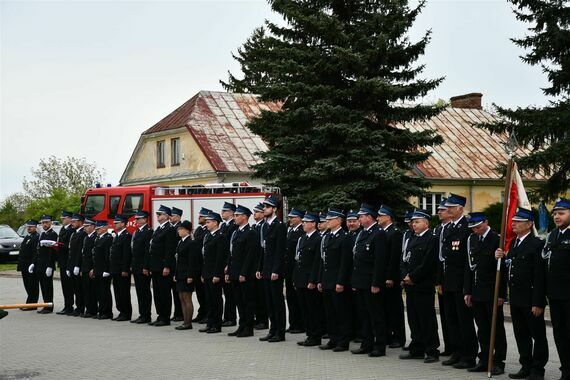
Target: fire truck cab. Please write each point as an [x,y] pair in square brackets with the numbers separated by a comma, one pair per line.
[103,203]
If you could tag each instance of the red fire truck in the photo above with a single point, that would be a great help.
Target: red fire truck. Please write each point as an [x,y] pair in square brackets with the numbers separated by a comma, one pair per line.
[103,203]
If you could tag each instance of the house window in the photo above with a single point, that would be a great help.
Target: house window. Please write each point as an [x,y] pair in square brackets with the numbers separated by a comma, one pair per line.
[430,201]
[160,154]
[175,152]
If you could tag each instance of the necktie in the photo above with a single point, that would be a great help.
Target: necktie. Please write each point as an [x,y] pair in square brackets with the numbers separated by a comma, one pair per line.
[517,242]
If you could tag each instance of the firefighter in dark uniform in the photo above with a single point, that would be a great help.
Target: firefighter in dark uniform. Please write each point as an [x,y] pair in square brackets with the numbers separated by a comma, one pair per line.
[44,260]
[438,232]
[140,248]
[227,227]
[214,251]
[370,265]
[323,225]
[121,268]
[199,232]
[175,222]
[62,257]
[393,302]
[245,252]
[353,228]
[25,258]
[526,279]
[479,289]
[305,277]
[459,316]
[557,256]
[74,262]
[334,282]
[101,270]
[418,274]
[87,281]
[297,319]
[261,320]
[161,261]
[274,244]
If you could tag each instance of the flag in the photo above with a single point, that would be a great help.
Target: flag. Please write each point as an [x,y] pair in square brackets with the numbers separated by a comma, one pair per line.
[543,218]
[517,198]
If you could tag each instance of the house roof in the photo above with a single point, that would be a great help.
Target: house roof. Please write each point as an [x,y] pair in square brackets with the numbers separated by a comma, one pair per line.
[217,120]
[468,152]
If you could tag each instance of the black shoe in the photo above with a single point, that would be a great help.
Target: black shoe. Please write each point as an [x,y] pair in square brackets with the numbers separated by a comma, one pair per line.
[184,327]
[138,320]
[117,317]
[497,370]
[536,376]
[143,320]
[177,318]
[161,323]
[451,361]
[431,359]
[464,364]
[326,336]
[276,338]
[45,311]
[340,349]
[123,318]
[214,330]
[395,345]
[95,316]
[204,329]
[361,351]
[409,356]
[203,321]
[235,333]
[377,353]
[76,313]
[301,343]
[406,348]
[266,338]
[261,326]
[312,342]
[357,340]
[33,308]
[296,331]
[245,333]
[228,323]
[87,315]
[105,316]
[445,353]
[64,311]
[480,367]
[328,346]
[523,373]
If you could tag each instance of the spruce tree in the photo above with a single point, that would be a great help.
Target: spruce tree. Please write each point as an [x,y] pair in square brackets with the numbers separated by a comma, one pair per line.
[348,79]
[544,129]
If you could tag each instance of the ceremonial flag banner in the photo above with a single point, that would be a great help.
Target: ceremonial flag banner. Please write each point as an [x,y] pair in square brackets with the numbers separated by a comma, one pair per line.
[517,198]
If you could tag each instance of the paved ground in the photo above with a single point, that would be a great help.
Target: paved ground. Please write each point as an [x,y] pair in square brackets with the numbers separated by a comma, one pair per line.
[56,347]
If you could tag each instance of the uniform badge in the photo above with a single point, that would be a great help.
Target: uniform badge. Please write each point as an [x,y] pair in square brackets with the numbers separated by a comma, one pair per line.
[455,245]
[368,247]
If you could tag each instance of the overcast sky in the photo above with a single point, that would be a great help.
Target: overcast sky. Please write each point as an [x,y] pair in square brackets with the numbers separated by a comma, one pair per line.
[84,79]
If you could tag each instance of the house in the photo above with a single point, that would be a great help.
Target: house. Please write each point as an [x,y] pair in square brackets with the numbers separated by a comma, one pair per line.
[206,140]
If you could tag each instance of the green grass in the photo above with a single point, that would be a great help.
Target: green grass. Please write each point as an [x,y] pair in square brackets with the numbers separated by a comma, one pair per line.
[10,266]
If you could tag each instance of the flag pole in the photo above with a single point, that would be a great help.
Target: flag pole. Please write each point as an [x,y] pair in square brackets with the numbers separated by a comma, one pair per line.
[510,148]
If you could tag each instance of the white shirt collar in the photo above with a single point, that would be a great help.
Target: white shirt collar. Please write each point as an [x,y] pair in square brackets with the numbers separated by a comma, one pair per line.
[270,220]
[162,225]
[370,226]
[422,233]
[335,231]
[242,227]
[388,226]
[121,231]
[216,230]
[311,233]
[486,232]
[523,237]
[141,227]
[184,238]
[458,220]
[91,234]
[77,230]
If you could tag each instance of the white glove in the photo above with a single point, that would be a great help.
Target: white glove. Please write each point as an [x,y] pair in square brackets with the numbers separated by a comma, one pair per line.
[76,271]
[47,243]
[49,271]
[105,274]
[68,273]
[31,268]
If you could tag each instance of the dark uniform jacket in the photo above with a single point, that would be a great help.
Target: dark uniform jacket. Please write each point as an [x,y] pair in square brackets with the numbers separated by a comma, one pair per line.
[526,273]
[28,250]
[419,261]
[101,253]
[87,252]
[45,256]
[274,241]
[557,255]
[454,253]
[307,258]
[370,259]
[140,249]
[336,260]
[293,235]
[214,255]
[481,268]
[245,252]
[199,233]
[75,247]
[120,260]
[63,238]
[188,259]
[228,228]
[162,249]
[394,242]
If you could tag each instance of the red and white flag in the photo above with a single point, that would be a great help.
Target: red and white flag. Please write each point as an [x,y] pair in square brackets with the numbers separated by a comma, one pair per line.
[517,198]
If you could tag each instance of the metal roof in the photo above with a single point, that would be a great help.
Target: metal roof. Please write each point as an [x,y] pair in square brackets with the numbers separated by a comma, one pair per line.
[217,120]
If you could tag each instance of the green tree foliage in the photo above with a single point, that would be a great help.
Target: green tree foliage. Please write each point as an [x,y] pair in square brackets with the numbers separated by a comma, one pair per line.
[545,129]
[346,75]
[57,200]
[10,215]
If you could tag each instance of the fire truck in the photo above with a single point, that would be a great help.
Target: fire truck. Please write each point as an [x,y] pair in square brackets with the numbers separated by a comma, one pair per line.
[103,203]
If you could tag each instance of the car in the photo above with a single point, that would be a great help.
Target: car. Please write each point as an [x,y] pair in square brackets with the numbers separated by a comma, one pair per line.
[23,231]
[10,242]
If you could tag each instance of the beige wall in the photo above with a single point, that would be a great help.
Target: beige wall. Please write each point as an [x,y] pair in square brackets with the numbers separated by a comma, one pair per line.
[143,163]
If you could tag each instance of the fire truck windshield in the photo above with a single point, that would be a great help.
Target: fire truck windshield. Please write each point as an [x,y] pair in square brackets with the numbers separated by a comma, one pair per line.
[94,205]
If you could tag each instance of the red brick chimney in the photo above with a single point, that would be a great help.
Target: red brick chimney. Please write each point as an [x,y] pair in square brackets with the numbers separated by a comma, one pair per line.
[472,100]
